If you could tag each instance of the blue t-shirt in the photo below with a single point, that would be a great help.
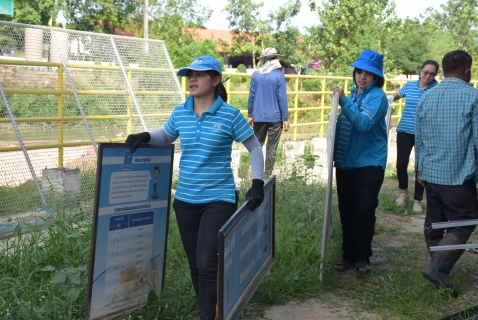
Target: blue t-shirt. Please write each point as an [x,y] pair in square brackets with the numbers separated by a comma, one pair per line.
[412,91]
[205,173]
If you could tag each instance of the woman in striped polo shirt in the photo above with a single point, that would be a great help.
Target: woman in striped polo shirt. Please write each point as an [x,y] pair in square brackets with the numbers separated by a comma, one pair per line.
[406,129]
[205,197]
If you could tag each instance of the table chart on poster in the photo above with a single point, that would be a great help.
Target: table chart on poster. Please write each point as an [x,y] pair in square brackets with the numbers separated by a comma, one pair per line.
[129,253]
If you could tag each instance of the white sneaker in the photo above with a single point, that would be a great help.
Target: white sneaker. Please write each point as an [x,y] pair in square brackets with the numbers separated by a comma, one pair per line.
[417,207]
[402,199]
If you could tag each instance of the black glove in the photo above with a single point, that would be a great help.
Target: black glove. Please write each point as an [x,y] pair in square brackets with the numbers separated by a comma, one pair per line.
[255,194]
[138,139]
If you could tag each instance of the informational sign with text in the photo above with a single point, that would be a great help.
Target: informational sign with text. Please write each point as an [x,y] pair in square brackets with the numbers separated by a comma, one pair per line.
[246,253]
[130,226]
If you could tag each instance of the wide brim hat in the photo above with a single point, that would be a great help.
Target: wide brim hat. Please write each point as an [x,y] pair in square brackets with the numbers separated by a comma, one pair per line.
[370,61]
[270,53]
[202,63]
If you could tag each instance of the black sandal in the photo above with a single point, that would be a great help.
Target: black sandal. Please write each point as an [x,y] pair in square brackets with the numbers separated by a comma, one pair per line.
[362,267]
[343,265]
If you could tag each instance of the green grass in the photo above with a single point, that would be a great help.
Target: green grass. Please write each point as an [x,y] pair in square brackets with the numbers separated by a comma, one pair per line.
[43,273]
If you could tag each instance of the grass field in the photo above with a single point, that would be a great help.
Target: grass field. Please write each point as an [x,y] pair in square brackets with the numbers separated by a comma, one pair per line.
[43,273]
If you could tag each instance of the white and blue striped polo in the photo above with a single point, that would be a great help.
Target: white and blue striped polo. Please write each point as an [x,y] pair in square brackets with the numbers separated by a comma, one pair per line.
[205,172]
[412,91]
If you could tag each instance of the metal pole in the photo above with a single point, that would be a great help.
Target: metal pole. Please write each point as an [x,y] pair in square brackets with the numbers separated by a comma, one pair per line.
[455,247]
[73,89]
[451,224]
[20,140]
[146,25]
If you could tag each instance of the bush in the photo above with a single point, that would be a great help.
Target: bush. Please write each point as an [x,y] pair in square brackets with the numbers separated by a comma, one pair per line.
[240,69]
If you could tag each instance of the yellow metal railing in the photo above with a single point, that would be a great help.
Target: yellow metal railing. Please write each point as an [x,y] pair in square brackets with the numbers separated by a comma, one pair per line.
[323,92]
[294,91]
[61,93]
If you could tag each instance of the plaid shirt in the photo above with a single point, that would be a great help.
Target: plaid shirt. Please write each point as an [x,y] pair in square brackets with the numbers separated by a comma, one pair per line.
[446,133]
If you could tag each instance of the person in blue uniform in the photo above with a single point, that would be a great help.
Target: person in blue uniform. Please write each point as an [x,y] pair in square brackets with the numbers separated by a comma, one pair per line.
[205,196]
[360,158]
[267,104]
[413,91]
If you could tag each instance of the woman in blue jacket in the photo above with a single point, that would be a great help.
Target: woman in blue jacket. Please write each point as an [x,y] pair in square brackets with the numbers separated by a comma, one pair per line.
[360,158]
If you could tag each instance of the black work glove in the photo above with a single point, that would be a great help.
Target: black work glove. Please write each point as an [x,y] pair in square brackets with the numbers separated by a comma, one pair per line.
[138,139]
[255,194]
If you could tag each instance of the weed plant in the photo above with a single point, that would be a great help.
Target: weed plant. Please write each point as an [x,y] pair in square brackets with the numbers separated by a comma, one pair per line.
[43,272]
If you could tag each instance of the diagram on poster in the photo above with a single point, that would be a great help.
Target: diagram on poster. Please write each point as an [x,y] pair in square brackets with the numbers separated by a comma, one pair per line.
[327,228]
[130,228]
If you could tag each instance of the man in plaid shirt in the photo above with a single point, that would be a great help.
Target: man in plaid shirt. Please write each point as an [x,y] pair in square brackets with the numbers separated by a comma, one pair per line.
[446,143]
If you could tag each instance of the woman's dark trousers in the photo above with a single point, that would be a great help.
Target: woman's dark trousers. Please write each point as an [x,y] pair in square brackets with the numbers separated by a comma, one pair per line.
[199,225]
[358,191]
[405,143]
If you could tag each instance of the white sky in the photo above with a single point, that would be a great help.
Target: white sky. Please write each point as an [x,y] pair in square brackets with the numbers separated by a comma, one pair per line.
[306,18]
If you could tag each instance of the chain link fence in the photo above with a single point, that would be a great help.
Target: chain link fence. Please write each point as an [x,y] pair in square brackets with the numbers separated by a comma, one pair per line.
[62,92]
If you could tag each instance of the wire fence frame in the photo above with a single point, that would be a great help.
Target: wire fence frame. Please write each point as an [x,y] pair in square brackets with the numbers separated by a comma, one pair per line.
[75,84]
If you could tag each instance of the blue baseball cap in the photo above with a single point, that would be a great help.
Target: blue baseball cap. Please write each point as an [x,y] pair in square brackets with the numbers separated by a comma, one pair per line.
[370,61]
[202,63]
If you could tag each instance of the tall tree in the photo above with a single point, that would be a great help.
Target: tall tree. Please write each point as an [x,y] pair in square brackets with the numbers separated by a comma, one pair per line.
[99,15]
[247,27]
[169,19]
[460,17]
[407,47]
[291,44]
[284,14]
[440,40]
[287,39]
[39,12]
[349,26]
[173,21]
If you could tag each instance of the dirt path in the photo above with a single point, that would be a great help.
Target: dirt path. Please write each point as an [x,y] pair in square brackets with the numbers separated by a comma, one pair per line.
[331,307]
[314,309]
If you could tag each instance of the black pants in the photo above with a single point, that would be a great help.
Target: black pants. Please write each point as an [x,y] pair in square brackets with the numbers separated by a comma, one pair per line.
[405,143]
[199,226]
[273,131]
[451,203]
[358,191]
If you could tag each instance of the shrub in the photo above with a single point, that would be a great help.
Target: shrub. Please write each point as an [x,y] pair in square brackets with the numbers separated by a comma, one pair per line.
[241,69]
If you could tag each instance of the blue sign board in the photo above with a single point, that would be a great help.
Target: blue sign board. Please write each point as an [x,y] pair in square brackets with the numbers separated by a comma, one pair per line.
[246,253]
[130,225]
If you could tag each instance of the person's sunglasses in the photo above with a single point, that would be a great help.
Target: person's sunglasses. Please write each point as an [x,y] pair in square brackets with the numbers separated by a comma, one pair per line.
[429,74]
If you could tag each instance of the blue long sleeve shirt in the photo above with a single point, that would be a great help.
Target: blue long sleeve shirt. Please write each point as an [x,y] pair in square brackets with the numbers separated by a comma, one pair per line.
[268,97]
[361,133]
[446,133]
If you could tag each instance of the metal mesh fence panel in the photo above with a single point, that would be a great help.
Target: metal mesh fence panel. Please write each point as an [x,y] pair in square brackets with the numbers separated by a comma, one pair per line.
[62,92]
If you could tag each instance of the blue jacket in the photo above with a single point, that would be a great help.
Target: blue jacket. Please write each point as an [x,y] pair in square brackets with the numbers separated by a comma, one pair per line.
[268,97]
[361,133]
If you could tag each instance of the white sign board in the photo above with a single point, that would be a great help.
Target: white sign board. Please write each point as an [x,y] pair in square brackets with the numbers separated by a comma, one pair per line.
[327,228]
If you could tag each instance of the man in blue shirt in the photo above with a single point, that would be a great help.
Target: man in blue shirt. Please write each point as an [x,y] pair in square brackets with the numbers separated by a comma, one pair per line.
[267,106]
[447,161]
